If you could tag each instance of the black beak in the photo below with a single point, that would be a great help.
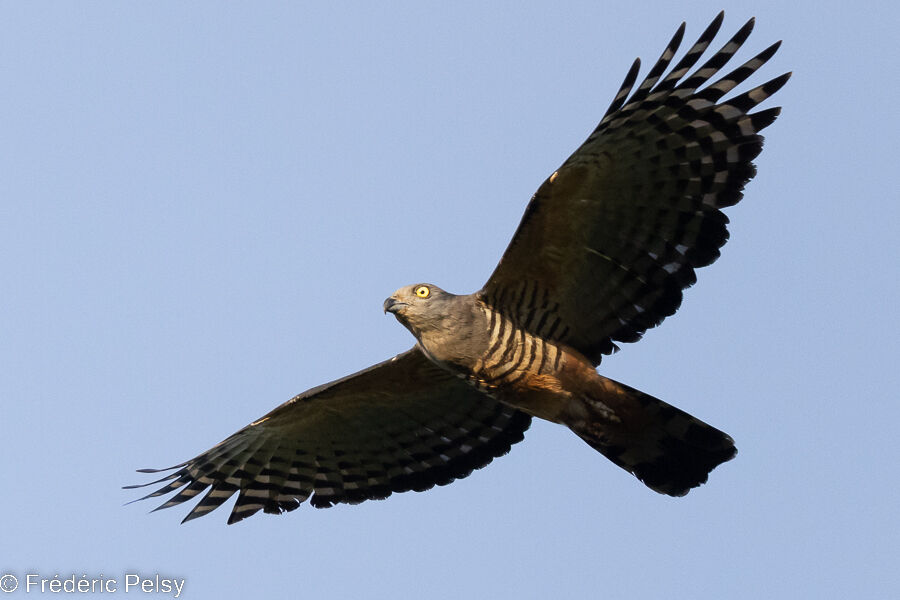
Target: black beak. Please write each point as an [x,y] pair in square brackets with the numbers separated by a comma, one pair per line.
[391,305]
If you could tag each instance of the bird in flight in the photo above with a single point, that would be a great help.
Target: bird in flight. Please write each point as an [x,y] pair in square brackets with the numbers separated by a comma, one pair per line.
[603,252]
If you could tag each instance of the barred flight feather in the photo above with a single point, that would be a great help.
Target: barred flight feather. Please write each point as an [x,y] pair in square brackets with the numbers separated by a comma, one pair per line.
[602,254]
[643,193]
[435,429]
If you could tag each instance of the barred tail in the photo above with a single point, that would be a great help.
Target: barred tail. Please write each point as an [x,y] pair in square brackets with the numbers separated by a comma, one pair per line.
[666,448]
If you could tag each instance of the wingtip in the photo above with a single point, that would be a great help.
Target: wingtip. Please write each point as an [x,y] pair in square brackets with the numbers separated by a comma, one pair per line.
[716,23]
[676,40]
[776,84]
[174,501]
[160,470]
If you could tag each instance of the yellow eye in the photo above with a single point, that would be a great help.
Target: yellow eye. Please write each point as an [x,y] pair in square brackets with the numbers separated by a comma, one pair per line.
[422,291]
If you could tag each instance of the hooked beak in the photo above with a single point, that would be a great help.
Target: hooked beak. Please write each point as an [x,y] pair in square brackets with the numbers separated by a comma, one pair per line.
[392,305]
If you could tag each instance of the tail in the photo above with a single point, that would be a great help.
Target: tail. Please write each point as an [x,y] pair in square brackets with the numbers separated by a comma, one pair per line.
[666,448]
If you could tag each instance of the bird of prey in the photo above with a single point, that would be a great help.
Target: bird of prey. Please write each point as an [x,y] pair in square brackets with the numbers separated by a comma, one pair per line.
[603,252]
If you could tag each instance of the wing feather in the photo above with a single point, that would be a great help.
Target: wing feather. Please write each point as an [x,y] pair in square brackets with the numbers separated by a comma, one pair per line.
[404,424]
[610,241]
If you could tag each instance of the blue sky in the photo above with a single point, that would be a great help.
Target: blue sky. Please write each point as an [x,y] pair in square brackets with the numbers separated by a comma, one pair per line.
[203,207]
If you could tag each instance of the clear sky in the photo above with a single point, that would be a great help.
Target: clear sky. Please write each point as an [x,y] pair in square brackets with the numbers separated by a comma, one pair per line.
[203,206]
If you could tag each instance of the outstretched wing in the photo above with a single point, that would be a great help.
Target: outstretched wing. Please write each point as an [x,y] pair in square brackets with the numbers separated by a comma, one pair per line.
[610,240]
[403,424]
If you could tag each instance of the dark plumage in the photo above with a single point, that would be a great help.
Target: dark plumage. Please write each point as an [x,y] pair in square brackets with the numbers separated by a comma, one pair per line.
[604,250]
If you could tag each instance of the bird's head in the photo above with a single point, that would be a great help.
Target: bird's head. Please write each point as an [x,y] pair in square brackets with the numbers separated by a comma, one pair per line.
[418,307]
